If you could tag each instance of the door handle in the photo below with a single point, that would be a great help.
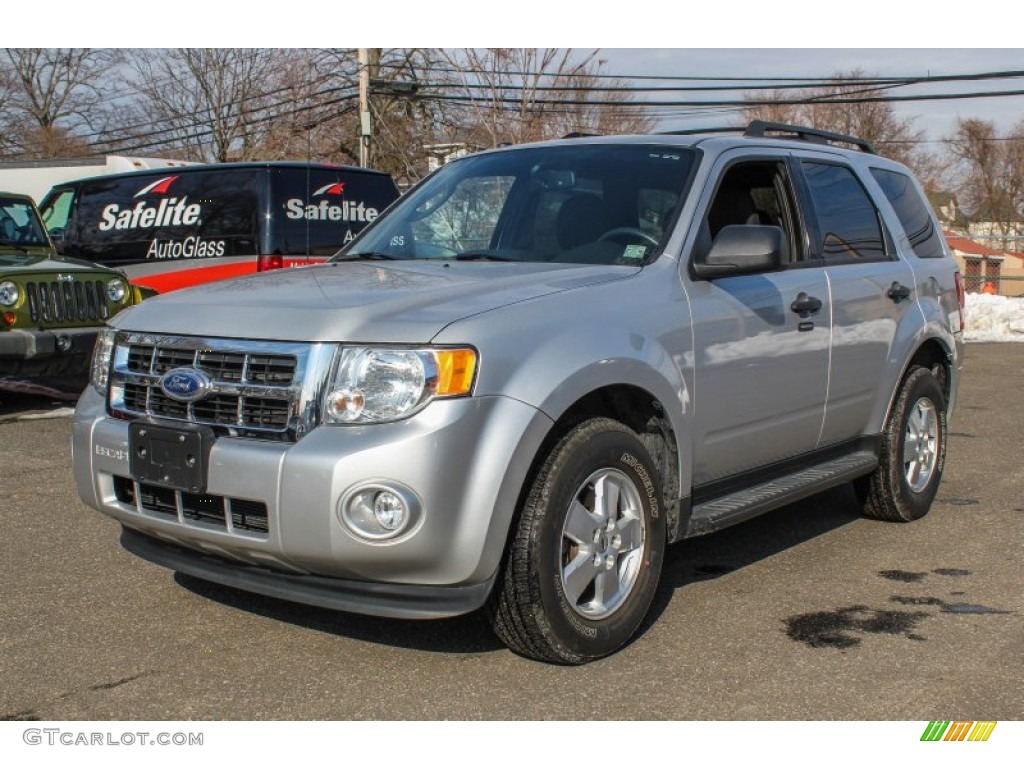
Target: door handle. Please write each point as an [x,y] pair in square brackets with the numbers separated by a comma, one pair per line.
[805,305]
[898,292]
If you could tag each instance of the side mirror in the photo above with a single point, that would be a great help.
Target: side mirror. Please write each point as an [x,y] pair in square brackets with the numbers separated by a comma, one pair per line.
[741,250]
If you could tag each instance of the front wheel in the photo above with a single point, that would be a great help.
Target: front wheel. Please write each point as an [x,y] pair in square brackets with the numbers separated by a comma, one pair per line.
[584,562]
[913,453]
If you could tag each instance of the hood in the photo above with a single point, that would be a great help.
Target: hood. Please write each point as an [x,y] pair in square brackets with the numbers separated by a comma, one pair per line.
[43,260]
[405,302]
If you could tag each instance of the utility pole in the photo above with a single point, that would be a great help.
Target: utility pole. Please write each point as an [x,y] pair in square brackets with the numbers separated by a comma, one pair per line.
[365,122]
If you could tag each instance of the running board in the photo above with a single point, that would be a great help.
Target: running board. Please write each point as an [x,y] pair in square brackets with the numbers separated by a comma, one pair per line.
[742,505]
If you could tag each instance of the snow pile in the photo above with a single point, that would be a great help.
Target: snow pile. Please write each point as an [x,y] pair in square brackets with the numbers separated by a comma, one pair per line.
[994,318]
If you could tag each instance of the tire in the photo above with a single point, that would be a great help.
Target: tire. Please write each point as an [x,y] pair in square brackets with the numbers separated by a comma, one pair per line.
[585,558]
[913,453]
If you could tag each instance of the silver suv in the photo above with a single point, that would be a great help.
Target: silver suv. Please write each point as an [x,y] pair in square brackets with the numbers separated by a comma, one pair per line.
[531,374]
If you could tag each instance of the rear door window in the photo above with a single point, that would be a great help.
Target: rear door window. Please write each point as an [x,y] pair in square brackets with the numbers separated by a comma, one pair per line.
[316,211]
[848,226]
[174,216]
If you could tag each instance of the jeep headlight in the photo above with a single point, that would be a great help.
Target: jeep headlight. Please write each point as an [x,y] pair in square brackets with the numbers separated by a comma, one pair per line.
[101,354]
[373,384]
[116,290]
[9,293]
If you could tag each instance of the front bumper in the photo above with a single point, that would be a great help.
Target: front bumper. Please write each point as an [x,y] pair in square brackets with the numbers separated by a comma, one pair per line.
[398,601]
[34,352]
[465,460]
[43,345]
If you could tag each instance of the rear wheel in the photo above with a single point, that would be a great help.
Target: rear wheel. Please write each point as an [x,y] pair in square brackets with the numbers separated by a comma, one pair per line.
[585,559]
[913,453]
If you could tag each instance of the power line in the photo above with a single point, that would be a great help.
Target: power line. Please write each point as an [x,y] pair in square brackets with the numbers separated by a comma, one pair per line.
[178,128]
[209,110]
[836,99]
[774,83]
[257,121]
[812,81]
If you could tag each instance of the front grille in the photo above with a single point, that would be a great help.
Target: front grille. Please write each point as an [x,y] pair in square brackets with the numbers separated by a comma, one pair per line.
[166,359]
[255,389]
[159,500]
[197,509]
[67,302]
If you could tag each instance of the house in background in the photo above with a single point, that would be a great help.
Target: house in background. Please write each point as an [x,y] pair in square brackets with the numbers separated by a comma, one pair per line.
[948,210]
[981,264]
[998,229]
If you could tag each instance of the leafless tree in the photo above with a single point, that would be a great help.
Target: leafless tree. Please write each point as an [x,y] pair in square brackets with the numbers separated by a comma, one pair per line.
[613,113]
[54,96]
[506,96]
[875,121]
[408,119]
[989,172]
[216,103]
[321,125]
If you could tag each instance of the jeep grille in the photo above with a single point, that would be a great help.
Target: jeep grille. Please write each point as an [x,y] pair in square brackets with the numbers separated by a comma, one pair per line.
[66,303]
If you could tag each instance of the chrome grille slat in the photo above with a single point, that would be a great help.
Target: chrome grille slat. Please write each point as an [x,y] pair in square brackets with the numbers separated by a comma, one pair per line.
[262,388]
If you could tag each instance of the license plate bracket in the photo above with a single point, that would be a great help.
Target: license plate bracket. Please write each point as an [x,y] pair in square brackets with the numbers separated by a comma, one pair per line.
[171,457]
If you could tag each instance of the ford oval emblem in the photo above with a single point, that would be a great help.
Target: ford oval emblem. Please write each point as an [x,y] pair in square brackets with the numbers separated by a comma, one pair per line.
[185,384]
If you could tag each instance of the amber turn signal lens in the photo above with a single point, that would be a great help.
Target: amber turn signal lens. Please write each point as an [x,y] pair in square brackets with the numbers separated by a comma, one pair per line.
[455,369]
[10,318]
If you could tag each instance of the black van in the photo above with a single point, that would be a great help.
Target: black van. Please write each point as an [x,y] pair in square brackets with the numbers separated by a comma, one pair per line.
[170,228]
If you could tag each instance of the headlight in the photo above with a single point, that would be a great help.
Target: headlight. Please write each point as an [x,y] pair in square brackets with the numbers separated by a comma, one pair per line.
[9,293]
[116,290]
[373,385]
[101,355]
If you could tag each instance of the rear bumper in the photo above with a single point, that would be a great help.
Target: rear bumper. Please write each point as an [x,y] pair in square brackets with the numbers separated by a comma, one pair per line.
[399,601]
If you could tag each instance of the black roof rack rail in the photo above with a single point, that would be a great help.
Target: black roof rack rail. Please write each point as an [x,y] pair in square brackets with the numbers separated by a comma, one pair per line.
[760,129]
[580,135]
[698,131]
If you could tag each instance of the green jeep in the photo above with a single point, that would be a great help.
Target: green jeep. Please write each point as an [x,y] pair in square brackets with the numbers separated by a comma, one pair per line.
[50,307]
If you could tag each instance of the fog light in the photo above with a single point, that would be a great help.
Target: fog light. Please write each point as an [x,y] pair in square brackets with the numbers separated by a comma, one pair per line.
[377,512]
[389,510]
[63,342]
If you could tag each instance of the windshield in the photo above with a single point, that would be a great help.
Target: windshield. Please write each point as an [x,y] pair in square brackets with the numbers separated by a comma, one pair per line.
[19,225]
[570,203]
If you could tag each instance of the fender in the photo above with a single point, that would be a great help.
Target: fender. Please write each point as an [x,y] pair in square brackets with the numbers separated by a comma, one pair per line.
[534,356]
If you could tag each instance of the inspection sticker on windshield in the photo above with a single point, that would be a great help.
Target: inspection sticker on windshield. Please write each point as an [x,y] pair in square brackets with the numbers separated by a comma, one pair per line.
[634,252]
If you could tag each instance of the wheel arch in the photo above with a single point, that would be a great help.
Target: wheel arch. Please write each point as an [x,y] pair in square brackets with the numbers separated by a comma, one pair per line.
[931,353]
[645,414]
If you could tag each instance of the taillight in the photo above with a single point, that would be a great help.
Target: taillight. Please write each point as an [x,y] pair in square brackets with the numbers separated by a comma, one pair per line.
[960,298]
[263,263]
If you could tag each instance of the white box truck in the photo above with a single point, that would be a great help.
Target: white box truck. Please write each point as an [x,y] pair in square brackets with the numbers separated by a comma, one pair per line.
[35,177]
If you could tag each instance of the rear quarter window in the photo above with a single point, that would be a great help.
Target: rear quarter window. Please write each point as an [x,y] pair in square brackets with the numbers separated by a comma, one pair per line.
[912,211]
[317,211]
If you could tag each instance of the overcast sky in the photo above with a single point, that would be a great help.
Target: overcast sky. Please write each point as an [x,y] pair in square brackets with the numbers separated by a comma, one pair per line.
[935,117]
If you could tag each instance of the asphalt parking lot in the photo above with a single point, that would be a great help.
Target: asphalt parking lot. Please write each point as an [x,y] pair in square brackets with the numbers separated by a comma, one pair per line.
[806,613]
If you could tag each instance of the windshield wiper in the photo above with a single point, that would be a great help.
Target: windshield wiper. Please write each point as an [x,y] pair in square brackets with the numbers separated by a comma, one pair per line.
[481,256]
[368,256]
